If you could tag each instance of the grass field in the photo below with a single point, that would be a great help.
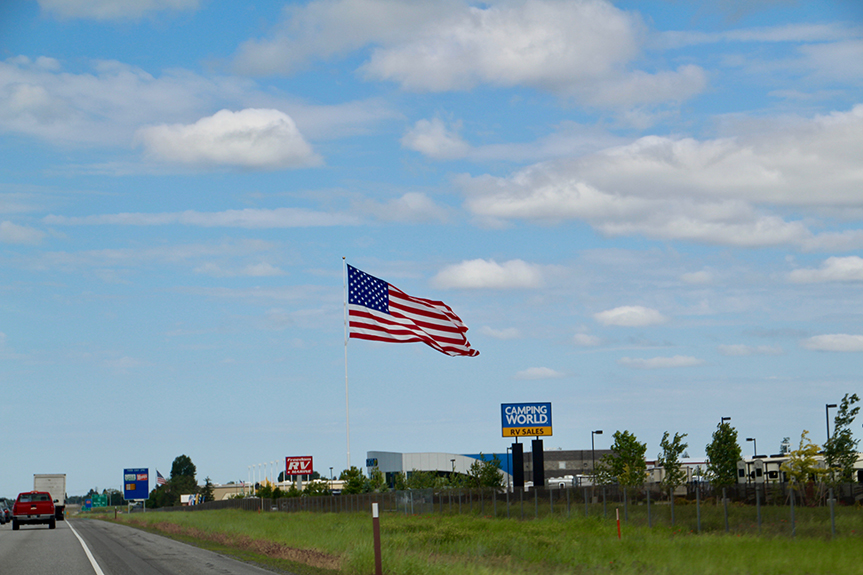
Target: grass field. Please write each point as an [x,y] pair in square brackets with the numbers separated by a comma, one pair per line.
[470,544]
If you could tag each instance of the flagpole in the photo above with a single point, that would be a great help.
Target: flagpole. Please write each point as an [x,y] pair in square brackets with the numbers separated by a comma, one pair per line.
[347,403]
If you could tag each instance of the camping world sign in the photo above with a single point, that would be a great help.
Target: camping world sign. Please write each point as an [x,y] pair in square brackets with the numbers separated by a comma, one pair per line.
[525,419]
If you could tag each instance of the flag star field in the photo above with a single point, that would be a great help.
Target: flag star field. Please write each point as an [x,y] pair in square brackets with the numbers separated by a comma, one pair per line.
[648,214]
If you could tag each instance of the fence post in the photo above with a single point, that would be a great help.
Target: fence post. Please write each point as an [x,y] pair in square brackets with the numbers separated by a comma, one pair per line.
[671,497]
[625,506]
[567,502]
[521,495]
[604,509]
[725,505]
[649,518]
[698,506]
[832,514]
[507,500]
[586,511]
[793,523]
[758,505]
[535,502]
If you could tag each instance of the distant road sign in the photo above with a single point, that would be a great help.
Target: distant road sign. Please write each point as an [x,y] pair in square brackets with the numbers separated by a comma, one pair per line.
[99,500]
[525,419]
[298,465]
[136,483]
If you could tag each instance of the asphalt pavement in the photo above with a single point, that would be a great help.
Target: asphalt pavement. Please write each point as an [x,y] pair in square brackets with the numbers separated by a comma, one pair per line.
[113,550]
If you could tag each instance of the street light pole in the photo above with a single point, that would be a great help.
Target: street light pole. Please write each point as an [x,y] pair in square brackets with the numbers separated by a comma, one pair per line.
[827,413]
[593,454]
[754,445]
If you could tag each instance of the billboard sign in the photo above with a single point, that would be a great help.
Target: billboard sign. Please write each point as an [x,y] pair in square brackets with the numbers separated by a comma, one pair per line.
[136,483]
[525,419]
[298,465]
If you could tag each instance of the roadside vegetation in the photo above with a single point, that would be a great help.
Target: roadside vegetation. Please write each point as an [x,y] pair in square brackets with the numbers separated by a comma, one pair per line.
[471,544]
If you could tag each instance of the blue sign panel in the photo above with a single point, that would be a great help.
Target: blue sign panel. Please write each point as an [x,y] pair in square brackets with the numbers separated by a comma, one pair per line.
[136,484]
[525,419]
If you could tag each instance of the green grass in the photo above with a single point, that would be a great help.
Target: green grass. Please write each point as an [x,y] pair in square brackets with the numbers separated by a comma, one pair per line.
[469,544]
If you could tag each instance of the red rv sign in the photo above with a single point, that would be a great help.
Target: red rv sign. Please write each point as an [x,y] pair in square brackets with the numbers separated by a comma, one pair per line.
[298,465]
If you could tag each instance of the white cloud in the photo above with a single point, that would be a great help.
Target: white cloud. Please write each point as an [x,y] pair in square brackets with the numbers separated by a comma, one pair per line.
[15,234]
[586,340]
[411,207]
[112,9]
[110,101]
[718,191]
[432,138]
[630,316]
[261,269]
[583,49]
[743,350]
[441,141]
[503,334]
[122,364]
[660,362]
[702,277]
[539,373]
[834,342]
[798,33]
[247,218]
[482,274]
[251,138]
[834,269]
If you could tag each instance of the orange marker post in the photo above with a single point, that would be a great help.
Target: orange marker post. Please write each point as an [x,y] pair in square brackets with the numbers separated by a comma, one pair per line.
[617,513]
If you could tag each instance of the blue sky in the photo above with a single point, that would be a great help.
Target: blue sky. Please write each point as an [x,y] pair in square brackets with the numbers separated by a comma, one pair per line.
[648,214]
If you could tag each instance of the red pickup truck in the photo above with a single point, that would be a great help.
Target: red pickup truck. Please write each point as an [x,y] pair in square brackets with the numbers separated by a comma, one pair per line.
[33,507]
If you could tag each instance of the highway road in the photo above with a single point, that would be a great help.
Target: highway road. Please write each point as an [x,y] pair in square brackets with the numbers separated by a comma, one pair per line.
[88,547]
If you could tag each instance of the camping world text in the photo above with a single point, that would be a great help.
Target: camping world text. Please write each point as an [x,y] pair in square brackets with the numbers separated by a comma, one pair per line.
[525,419]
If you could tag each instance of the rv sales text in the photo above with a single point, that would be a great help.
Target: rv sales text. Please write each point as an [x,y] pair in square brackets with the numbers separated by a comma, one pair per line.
[526,415]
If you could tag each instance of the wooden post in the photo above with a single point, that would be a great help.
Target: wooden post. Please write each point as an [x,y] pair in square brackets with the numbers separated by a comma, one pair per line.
[376,528]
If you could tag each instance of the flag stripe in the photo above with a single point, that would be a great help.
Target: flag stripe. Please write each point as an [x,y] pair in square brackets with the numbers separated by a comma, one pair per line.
[365,319]
[379,311]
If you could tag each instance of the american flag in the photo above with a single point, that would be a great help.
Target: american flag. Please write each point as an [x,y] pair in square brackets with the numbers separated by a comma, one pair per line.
[379,311]
[159,479]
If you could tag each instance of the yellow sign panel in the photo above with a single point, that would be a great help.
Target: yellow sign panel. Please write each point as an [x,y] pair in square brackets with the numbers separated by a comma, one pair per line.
[526,431]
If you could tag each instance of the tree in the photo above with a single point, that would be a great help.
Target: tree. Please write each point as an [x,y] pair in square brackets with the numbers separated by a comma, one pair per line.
[207,491]
[377,481]
[625,464]
[840,451]
[183,480]
[669,460]
[316,489]
[482,473]
[354,480]
[183,466]
[802,464]
[421,479]
[723,453]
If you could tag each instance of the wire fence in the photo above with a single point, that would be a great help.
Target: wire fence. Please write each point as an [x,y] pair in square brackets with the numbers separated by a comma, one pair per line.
[813,510]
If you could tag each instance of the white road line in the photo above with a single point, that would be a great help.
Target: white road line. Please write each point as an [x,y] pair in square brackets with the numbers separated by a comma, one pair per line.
[95,565]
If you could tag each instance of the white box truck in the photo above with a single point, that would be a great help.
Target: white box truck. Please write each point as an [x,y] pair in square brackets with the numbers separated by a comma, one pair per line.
[55,484]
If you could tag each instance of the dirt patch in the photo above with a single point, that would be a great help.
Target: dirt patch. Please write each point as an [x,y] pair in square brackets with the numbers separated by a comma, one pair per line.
[270,549]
